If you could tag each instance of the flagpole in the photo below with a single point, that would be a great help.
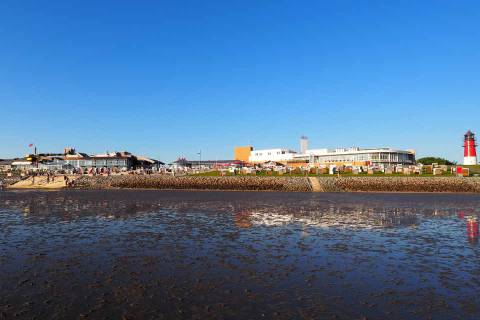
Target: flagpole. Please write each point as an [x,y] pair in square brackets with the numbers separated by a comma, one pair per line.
[200,161]
[34,153]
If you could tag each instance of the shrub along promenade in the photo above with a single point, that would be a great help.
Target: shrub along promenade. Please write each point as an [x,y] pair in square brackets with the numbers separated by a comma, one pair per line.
[299,184]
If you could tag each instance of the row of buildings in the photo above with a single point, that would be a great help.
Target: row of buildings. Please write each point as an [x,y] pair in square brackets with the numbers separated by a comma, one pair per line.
[326,157]
[70,159]
[247,156]
[244,156]
[355,157]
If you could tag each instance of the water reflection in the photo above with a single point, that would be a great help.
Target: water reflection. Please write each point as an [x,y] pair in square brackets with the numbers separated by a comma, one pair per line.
[471,222]
[346,217]
[248,210]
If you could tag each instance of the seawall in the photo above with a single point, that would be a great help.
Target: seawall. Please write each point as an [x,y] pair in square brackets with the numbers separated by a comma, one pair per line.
[238,183]
[291,184]
[400,184]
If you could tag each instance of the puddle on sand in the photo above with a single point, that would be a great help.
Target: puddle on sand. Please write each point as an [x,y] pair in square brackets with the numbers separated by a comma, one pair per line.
[232,255]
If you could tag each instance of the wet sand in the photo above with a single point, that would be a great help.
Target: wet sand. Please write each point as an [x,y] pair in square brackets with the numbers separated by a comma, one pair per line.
[131,254]
[42,182]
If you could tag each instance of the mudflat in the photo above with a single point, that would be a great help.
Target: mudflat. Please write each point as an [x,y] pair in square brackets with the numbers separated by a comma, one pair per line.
[194,255]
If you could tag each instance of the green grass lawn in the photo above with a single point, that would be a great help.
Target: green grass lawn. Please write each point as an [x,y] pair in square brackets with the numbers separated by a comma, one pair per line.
[473,169]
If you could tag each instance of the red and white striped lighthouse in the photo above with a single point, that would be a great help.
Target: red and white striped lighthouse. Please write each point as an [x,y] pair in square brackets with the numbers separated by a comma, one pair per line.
[469,151]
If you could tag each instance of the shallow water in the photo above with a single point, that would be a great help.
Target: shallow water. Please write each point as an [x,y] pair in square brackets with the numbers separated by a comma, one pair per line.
[231,255]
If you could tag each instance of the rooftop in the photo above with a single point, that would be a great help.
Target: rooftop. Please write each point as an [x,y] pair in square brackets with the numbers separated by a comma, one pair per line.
[6,162]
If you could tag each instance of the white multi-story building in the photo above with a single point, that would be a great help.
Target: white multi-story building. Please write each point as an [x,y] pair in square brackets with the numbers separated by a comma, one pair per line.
[266,155]
[358,156]
[339,156]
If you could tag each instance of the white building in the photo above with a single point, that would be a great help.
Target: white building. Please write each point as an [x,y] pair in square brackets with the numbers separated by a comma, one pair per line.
[335,157]
[266,155]
[358,156]
[23,165]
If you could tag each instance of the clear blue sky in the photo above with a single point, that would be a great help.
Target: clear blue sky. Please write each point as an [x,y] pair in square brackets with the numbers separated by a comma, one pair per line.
[169,78]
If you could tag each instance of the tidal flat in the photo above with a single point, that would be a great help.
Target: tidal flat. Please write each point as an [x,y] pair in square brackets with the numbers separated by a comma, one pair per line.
[151,254]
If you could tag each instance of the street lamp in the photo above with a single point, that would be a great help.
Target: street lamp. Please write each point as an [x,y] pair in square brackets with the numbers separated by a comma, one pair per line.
[200,160]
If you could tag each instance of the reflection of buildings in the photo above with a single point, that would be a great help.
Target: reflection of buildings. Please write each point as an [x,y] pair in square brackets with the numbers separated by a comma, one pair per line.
[471,221]
[242,219]
[472,229]
[244,210]
[71,206]
[355,217]
[332,216]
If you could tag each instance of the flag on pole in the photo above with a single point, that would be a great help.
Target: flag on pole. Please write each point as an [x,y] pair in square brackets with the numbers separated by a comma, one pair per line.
[30,145]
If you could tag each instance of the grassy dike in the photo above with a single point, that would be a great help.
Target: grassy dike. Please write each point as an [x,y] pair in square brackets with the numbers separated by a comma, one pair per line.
[292,184]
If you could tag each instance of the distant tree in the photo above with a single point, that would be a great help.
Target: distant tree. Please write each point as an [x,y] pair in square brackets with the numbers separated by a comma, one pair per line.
[430,160]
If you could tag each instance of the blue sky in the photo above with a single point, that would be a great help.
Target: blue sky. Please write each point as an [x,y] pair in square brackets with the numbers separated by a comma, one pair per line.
[170,78]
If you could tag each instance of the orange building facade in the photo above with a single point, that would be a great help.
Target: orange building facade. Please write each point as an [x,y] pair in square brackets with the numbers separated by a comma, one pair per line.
[242,153]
